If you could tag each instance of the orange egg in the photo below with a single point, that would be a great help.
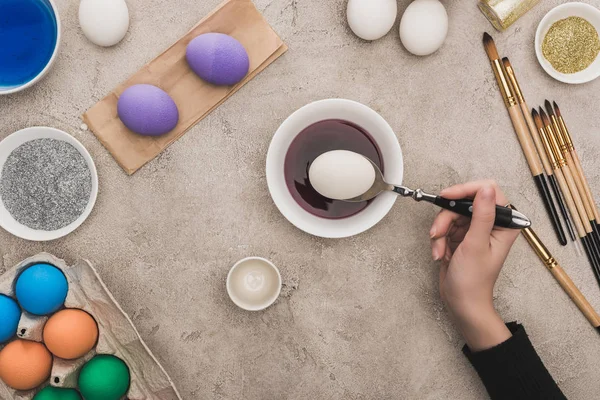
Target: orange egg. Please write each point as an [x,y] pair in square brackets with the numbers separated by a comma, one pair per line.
[70,333]
[25,365]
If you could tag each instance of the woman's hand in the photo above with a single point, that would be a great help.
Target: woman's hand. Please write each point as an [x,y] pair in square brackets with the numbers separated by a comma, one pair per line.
[472,252]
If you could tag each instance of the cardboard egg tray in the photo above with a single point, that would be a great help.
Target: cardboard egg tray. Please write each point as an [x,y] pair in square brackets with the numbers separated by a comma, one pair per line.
[117,335]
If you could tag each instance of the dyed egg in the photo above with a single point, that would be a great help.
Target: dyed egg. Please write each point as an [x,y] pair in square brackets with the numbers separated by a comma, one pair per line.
[371,19]
[104,377]
[104,22]
[147,110]
[70,333]
[41,289]
[341,174]
[53,393]
[218,58]
[424,27]
[10,314]
[25,365]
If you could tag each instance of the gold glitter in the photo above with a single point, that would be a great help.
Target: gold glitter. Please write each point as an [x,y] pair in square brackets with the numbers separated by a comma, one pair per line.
[571,45]
[502,13]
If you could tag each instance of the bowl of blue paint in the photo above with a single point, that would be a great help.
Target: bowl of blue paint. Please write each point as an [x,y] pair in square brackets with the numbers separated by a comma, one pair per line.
[29,39]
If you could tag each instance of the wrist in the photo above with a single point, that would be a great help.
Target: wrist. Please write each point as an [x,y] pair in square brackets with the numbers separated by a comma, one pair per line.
[483,329]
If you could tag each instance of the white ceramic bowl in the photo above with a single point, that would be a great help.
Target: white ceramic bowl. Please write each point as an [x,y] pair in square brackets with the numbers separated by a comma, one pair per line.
[25,135]
[253,283]
[38,77]
[585,11]
[360,115]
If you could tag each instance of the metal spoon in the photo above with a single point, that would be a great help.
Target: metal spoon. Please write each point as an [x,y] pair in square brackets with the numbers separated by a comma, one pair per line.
[505,217]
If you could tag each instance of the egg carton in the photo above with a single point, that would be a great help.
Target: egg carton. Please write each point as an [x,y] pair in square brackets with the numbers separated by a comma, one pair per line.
[117,334]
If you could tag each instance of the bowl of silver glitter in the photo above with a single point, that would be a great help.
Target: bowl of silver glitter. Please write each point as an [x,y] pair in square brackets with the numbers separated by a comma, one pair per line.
[48,184]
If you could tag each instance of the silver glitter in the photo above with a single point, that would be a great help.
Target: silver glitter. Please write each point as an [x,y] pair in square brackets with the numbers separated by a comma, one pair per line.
[45,184]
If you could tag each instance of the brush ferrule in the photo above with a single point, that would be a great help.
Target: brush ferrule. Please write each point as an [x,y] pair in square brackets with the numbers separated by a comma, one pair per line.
[548,148]
[560,159]
[539,248]
[558,134]
[505,90]
[566,134]
[514,84]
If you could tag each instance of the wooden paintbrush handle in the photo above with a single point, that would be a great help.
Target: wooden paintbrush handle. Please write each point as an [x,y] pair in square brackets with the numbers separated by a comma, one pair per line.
[570,202]
[586,185]
[577,199]
[579,184]
[525,140]
[533,132]
[578,298]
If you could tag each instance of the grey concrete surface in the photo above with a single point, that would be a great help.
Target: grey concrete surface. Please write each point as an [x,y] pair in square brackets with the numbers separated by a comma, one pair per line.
[358,318]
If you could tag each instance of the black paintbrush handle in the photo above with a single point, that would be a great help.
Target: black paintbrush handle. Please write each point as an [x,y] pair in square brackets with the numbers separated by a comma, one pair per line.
[561,205]
[542,186]
[504,215]
[592,252]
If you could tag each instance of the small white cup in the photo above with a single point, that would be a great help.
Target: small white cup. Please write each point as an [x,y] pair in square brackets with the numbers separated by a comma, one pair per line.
[585,11]
[253,283]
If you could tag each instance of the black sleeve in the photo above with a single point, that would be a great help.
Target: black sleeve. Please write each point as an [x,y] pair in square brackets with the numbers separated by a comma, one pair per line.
[513,370]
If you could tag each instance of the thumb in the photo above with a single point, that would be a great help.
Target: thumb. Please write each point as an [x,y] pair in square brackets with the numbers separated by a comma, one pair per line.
[484,213]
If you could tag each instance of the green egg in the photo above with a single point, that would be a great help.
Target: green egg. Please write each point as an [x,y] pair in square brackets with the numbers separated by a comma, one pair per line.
[104,377]
[52,393]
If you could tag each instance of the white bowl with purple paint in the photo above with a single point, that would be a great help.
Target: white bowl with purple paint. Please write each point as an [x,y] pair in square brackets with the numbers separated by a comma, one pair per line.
[15,140]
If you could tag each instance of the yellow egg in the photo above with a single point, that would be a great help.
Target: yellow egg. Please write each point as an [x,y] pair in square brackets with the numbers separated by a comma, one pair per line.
[25,365]
[70,333]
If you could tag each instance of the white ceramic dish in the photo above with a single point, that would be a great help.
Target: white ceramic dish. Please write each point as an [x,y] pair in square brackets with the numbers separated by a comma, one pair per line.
[38,77]
[585,11]
[25,135]
[253,283]
[360,115]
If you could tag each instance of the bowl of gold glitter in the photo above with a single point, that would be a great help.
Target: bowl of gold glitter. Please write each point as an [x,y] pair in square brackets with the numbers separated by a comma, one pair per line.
[567,43]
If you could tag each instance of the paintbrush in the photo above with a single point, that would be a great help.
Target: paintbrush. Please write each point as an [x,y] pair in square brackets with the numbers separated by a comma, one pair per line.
[561,277]
[579,211]
[533,131]
[522,131]
[554,158]
[575,164]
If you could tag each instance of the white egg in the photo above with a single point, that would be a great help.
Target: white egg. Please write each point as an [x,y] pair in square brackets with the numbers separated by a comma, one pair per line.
[371,19]
[423,27]
[104,22]
[341,174]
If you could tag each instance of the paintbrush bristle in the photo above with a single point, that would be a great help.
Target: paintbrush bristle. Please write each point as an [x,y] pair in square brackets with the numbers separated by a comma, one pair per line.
[536,118]
[490,47]
[544,117]
[506,63]
[556,109]
[549,108]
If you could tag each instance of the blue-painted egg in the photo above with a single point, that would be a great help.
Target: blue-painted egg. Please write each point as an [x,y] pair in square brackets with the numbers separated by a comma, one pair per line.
[10,313]
[41,289]
[147,110]
[218,58]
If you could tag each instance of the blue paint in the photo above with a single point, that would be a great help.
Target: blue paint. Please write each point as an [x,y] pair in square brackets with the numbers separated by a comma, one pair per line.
[28,34]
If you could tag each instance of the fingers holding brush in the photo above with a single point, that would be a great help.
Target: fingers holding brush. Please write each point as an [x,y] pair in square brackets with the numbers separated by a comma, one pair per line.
[447,231]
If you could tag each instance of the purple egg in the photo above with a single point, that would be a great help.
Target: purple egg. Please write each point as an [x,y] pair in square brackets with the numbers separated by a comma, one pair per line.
[218,58]
[147,110]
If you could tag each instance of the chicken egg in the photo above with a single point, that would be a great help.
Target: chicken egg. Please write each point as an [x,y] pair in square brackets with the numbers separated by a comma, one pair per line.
[371,19]
[25,365]
[104,22]
[70,333]
[423,27]
[341,174]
